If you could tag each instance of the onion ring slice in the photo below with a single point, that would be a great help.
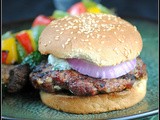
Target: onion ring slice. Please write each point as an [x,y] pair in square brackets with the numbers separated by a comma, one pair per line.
[92,70]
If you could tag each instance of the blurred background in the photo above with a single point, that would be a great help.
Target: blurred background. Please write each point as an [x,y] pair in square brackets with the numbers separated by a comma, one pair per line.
[16,10]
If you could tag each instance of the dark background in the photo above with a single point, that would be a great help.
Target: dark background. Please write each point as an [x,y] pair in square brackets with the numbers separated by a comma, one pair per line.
[16,10]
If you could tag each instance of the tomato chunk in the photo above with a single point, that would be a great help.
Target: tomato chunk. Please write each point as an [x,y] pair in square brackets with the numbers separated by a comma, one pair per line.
[24,39]
[41,20]
[77,9]
[4,56]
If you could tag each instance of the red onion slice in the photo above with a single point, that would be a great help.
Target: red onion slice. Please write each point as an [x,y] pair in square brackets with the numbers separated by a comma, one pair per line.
[90,69]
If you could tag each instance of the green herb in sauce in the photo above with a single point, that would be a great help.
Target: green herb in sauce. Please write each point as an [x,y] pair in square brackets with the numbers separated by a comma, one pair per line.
[59,64]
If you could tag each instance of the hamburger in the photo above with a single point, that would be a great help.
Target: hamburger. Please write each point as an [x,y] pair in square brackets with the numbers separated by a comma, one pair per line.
[93,64]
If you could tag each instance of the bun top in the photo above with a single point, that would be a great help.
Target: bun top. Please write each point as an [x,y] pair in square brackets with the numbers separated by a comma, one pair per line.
[103,39]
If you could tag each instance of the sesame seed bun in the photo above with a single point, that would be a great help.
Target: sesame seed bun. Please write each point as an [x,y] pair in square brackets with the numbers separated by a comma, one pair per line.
[98,103]
[103,39]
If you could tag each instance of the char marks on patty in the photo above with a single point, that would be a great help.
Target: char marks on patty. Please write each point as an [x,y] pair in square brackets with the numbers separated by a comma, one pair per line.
[44,78]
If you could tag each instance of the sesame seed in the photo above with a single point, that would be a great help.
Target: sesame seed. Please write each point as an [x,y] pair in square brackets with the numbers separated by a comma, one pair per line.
[82,40]
[61,33]
[45,45]
[66,43]
[57,30]
[92,37]
[71,23]
[74,37]
[122,30]
[97,21]
[121,22]
[109,18]
[68,19]
[118,28]
[90,48]
[56,38]
[125,48]
[68,39]
[136,41]
[108,29]
[98,35]
[138,52]
[72,32]
[120,40]
[49,42]
[103,36]
[99,50]
[75,20]
[130,51]
[68,27]
[135,28]
[89,43]
[86,40]
[126,54]
[102,42]
[123,36]
[62,46]
[116,50]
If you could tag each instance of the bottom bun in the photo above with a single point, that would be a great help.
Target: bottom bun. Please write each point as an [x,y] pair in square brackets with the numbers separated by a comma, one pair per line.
[98,103]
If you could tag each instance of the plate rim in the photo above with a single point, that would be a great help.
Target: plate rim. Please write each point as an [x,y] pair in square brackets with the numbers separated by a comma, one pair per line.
[134,116]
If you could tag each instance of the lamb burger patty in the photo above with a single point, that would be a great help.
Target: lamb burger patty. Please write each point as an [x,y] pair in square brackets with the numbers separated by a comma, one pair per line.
[44,78]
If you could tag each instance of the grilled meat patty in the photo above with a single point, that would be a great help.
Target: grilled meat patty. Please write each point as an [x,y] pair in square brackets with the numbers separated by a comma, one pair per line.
[5,73]
[44,78]
[18,78]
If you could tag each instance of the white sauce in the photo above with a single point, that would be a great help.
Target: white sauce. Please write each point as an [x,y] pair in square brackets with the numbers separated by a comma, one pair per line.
[58,64]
